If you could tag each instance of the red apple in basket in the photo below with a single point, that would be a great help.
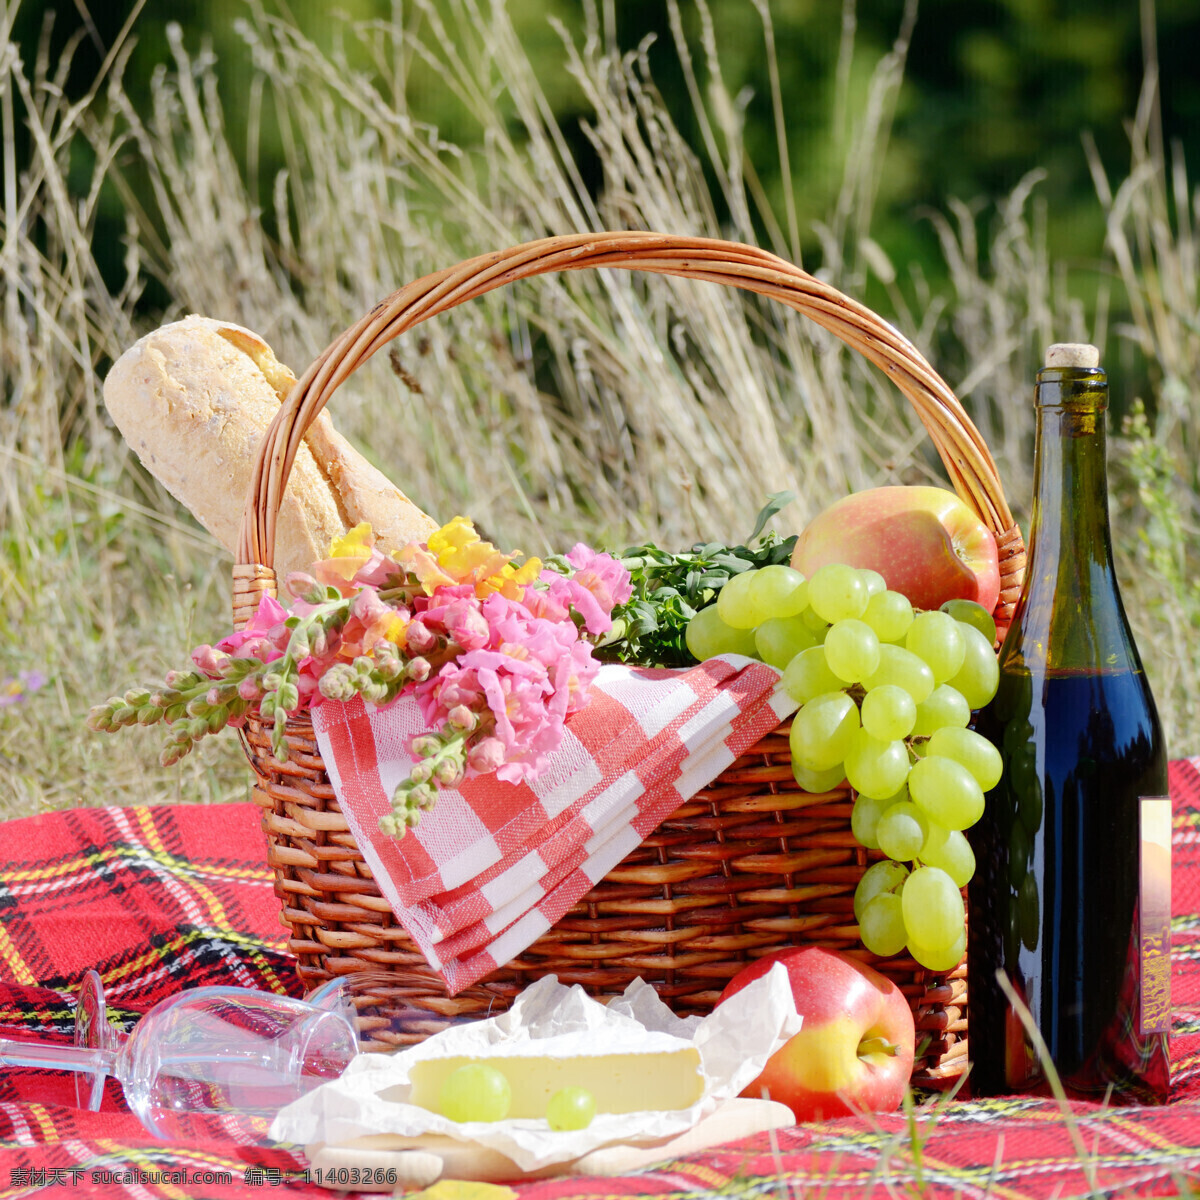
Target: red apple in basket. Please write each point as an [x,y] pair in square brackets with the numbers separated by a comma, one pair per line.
[854,1052]
[924,541]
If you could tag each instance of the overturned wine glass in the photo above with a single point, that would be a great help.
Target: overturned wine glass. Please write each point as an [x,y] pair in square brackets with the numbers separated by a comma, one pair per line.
[227,1059]
[211,1059]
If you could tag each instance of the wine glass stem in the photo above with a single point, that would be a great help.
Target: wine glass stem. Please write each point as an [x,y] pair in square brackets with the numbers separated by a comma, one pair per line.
[56,1057]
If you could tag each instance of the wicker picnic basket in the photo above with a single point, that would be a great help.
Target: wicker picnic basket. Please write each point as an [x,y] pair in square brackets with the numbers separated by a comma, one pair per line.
[751,864]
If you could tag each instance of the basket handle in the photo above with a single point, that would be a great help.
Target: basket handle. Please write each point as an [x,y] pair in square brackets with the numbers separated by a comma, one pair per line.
[968,462]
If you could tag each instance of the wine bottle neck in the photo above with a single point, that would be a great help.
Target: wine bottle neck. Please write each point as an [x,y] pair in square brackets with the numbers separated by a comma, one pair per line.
[1070,494]
[1070,613]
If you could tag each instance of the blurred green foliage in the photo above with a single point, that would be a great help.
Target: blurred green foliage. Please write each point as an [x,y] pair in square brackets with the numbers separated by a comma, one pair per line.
[992,89]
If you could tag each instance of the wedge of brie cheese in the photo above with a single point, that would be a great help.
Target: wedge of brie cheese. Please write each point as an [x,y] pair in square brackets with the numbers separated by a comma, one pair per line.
[665,1081]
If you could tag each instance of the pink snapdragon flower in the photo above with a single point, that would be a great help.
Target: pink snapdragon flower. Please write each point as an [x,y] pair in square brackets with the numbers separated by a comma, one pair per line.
[598,583]
[485,756]
[601,574]
[528,720]
[260,639]
[467,625]
[573,675]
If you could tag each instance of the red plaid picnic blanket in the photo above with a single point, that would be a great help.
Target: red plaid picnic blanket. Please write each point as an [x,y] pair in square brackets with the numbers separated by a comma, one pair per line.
[168,897]
[495,865]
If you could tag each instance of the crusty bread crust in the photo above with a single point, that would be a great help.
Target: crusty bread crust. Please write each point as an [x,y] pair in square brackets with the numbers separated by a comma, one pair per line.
[194,399]
[365,493]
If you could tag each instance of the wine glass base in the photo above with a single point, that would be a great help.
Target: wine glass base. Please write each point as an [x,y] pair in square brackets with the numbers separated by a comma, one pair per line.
[92,1032]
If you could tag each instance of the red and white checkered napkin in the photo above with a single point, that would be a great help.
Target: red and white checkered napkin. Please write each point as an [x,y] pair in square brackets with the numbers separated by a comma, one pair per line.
[494,865]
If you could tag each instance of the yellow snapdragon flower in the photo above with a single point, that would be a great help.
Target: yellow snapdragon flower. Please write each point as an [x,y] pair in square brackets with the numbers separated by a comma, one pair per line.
[456,555]
[348,553]
[354,543]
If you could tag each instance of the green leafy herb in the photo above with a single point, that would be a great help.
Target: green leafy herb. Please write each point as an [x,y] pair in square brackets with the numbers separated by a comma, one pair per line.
[670,588]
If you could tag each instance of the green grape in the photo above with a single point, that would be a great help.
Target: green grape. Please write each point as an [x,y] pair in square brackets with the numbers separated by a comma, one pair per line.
[933,908]
[736,603]
[475,1092]
[943,706]
[902,831]
[904,669]
[818,781]
[707,636]
[819,625]
[808,675]
[823,730]
[971,749]
[1015,700]
[935,638]
[1018,736]
[1012,932]
[945,791]
[875,583]
[979,675]
[778,591]
[1029,806]
[779,639]
[1027,908]
[889,614]
[949,850]
[967,612]
[851,649]
[864,817]
[942,960]
[571,1108]
[875,768]
[882,925]
[1023,769]
[888,713]
[880,877]
[836,592]
[1020,848]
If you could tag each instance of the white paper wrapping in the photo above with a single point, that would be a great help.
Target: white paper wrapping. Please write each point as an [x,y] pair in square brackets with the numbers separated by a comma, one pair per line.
[548,1018]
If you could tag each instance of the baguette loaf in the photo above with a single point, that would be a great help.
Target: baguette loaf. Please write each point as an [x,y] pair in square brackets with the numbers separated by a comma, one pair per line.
[194,399]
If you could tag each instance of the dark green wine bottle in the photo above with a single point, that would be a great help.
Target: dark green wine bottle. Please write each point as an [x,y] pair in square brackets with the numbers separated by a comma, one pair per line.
[1071,896]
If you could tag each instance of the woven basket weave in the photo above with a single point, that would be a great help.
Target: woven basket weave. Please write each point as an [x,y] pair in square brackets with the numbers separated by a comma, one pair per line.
[751,864]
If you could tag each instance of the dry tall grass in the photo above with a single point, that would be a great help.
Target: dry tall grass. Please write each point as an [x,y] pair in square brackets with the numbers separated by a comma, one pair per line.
[608,406]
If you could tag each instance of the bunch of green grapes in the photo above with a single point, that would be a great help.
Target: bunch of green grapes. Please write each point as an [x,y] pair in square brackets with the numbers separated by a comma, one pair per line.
[886,694]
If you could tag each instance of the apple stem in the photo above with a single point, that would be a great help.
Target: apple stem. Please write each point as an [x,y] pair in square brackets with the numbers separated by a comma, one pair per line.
[877,1045]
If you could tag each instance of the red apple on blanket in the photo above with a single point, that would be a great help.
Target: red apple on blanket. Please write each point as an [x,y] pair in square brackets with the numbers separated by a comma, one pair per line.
[924,541]
[854,1052]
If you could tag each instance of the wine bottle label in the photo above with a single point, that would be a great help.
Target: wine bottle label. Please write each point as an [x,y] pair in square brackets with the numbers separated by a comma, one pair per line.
[1154,914]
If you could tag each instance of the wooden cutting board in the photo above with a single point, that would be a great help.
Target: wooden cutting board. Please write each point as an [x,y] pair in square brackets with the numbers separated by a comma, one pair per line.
[420,1161]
